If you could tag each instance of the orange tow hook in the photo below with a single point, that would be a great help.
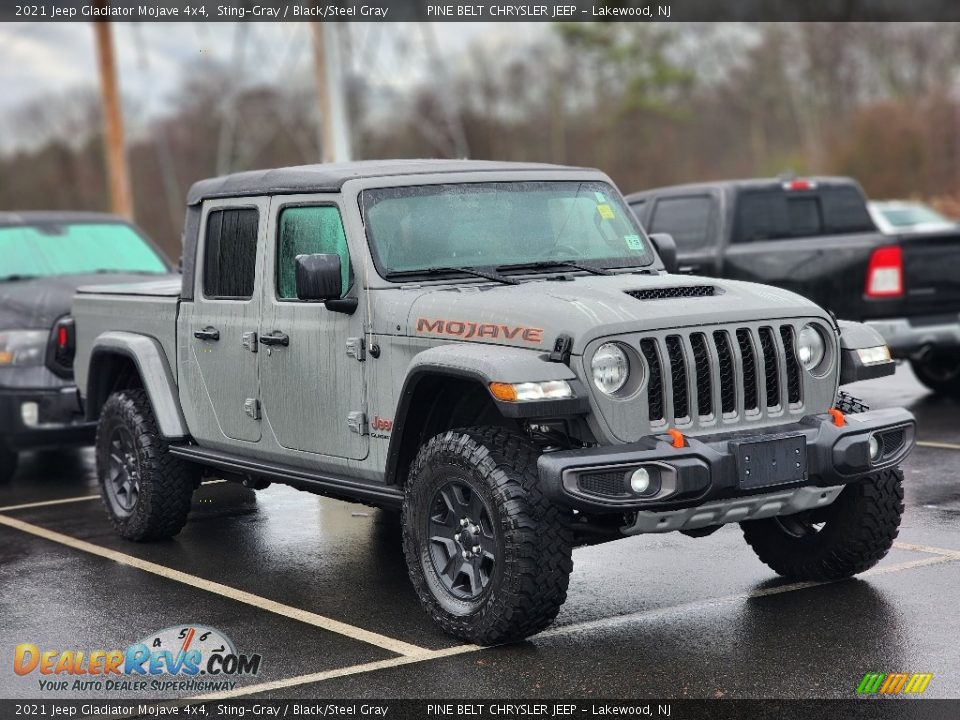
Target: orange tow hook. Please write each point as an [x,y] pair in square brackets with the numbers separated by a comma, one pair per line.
[678,439]
[838,418]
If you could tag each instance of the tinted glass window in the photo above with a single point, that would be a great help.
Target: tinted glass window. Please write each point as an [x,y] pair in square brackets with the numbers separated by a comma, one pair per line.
[777,214]
[230,259]
[308,231]
[74,248]
[638,207]
[687,219]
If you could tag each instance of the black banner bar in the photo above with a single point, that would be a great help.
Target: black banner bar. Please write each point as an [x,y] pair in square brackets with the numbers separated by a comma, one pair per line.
[476,11]
[522,709]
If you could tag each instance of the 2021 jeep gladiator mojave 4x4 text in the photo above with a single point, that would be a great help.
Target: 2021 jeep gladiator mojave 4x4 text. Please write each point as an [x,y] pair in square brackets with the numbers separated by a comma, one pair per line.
[496,350]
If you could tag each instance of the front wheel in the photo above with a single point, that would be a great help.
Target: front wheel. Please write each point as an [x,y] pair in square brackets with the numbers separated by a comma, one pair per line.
[838,541]
[488,555]
[939,371]
[145,489]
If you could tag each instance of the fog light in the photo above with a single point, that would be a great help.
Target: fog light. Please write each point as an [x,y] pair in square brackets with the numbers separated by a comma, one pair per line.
[874,447]
[30,414]
[640,481]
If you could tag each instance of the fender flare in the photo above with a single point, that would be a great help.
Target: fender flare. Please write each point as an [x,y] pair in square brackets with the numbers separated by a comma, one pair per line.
[484,364]
[154,370]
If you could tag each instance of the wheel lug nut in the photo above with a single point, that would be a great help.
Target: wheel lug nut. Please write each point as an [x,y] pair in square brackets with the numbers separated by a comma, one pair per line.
[457,537]
[466,555]
[476,549]
[464,522]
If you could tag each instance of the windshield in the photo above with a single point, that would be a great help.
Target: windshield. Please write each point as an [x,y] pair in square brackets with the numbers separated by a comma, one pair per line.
[907,215]
[501,224]
[74,249]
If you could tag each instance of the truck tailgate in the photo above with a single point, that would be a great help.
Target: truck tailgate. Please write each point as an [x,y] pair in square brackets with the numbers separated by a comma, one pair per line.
[931,269]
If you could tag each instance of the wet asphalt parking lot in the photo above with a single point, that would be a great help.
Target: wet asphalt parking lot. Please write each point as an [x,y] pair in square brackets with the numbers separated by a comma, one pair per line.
[318,587]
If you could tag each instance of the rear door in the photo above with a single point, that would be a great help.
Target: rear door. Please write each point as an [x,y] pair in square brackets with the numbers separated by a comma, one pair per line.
[692,220]
[219,378]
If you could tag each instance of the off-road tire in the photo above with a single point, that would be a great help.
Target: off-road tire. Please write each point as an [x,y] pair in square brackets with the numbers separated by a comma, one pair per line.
[528,583]
[8,463]
[166,482]
[940,373]
[850,405]
[859,529]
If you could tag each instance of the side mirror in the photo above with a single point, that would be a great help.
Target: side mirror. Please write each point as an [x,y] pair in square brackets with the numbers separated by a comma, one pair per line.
[667,250]
[318,277]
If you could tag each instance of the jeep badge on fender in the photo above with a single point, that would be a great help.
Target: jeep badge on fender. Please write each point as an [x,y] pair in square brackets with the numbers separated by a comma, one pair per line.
[539,381]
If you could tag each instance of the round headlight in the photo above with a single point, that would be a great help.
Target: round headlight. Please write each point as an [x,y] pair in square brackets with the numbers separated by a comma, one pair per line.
[811,347]
[610,368]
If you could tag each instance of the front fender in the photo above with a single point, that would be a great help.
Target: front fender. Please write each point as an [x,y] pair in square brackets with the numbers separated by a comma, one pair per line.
[151,363]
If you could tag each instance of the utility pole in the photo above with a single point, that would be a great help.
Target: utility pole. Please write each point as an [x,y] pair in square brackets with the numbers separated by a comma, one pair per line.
[334,134]
[118,175]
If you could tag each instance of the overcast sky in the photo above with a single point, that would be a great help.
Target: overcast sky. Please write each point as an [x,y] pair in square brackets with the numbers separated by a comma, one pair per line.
[41,58]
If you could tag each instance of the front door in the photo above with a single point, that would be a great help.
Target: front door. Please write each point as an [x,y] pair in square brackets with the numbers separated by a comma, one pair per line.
[220,384]
[312,374]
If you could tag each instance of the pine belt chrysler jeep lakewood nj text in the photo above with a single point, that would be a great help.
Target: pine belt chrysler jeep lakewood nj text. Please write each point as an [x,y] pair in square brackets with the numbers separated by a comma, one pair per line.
[496,350]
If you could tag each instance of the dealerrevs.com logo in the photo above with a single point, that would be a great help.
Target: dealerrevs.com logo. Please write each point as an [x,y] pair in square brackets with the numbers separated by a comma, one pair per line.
[179,658]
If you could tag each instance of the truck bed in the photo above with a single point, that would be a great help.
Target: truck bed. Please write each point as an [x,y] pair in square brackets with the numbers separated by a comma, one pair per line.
[147,308]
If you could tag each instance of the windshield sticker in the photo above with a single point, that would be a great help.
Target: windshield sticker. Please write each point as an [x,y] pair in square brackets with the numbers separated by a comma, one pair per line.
[606,212]
[601,198]
[633,242]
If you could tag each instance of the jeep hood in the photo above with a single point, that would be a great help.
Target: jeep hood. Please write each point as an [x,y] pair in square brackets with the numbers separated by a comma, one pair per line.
[534,313]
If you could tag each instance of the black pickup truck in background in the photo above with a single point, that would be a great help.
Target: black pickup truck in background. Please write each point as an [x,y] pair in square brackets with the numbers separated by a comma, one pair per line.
[44,258]
[815,237]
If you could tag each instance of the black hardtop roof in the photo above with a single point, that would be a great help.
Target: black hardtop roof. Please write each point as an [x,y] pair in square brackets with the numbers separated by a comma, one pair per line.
[330,177]
[739,184]
[56,217]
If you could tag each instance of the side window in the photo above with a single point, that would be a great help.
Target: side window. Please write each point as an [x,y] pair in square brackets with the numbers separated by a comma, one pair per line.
[308,231]
[638,207]
[230,257]
[687,219]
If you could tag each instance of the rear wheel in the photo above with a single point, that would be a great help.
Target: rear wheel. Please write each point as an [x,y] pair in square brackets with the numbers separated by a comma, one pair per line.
[939,371]
[487,553]
[8,463]
[838,541]
[145,490]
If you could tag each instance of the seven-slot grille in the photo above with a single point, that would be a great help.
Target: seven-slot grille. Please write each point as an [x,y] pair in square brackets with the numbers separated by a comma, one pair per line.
[733,372]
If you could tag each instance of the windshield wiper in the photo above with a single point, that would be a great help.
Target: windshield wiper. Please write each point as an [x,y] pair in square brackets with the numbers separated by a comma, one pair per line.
[476,272]
[545,264]
[17,278]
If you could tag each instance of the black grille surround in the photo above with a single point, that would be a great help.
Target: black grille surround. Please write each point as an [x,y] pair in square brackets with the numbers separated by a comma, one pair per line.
[667,293]
[721,377]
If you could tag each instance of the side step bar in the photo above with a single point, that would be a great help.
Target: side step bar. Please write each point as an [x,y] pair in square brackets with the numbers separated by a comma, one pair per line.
[338,487]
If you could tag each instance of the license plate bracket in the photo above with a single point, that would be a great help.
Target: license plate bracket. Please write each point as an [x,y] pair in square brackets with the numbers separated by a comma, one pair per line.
[771,461]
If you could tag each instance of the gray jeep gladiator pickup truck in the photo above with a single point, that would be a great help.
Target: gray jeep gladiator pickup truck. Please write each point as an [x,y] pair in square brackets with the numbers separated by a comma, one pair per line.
[495,350]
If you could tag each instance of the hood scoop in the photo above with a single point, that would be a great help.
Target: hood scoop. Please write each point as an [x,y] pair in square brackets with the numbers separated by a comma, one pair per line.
[682,291]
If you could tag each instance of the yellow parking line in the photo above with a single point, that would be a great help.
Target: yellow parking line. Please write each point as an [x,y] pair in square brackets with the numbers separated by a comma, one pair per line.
[938,445]
[339,672]
[81,498]
[925,549]
[288,611]
[557,631]
[45,503]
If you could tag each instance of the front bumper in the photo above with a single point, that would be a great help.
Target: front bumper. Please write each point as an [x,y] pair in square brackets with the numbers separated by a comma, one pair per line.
[56,420]
[905,336]
[711,469]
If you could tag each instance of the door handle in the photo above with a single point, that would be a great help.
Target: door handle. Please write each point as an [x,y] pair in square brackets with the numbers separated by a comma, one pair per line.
[208,333]
[275,338]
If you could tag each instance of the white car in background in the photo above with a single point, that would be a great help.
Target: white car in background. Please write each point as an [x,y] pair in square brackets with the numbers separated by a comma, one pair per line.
[893,217]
